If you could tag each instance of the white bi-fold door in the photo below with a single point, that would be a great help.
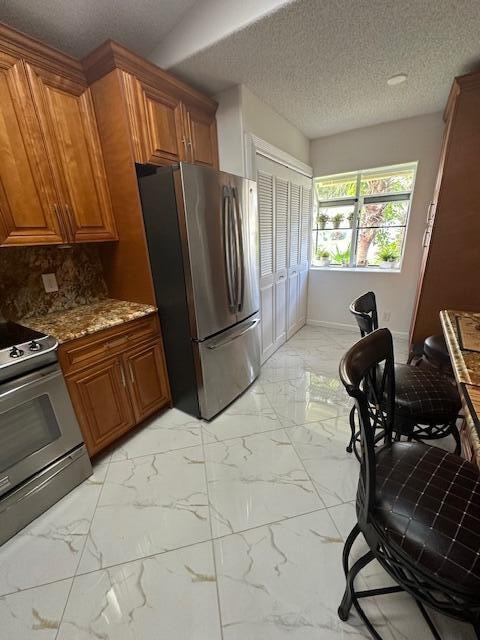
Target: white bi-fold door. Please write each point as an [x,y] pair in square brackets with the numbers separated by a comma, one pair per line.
[284,208]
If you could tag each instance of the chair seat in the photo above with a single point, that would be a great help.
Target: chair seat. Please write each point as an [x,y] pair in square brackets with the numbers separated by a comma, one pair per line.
[424,396]
[435,349]
[427,505]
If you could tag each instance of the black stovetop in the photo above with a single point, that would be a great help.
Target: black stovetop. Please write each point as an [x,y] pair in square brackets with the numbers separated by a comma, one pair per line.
[12,334]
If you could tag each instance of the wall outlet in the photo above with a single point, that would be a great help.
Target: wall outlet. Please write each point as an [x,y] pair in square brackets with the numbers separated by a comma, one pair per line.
[386,316]
[49,282]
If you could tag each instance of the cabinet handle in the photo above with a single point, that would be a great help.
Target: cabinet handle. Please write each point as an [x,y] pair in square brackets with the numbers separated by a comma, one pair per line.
[61,222]
[281,277]
[70,221]
[189,142]
[131,374]
[185,144]
[116,343]
[425,238]
[124,382]
[429,212]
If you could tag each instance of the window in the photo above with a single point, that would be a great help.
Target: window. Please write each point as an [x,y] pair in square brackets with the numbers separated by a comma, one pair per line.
[361,217]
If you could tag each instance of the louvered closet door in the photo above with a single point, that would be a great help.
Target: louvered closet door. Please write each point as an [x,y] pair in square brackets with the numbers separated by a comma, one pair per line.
[265,193]
[294,259]
[305,234]
[282,188]
[284,203]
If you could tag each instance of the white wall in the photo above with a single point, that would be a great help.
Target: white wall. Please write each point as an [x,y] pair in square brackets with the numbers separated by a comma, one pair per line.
[239,112]
[264,122]
[413,139]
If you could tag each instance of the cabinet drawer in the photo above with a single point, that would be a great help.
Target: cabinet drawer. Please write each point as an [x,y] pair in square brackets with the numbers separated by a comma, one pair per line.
[88,350]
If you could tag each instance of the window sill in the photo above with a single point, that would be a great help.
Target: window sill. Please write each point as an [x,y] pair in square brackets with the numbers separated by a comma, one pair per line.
[355,269]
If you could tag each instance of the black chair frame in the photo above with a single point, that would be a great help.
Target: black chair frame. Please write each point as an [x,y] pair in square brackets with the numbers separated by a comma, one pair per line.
[359,374]
[364,309]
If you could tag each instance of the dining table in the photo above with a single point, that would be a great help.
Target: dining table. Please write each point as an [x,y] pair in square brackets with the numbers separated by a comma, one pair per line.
[461,330]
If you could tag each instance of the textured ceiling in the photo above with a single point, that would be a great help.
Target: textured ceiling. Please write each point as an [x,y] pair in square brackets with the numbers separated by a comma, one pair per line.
[323,64]
[78,26]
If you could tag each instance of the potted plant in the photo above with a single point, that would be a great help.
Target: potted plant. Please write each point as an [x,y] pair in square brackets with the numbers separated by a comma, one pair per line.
[322,219]
[323,257]
[388,257]
[350,220]
[337,220]
[341,257]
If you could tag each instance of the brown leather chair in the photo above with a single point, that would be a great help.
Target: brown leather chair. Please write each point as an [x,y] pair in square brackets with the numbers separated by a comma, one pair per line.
[418,507]
[426,403]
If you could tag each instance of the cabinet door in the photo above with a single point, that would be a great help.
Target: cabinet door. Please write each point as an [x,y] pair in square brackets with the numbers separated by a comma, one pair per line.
[147,379]
[156,123]
[302,298]
[281,260]
[28,198]
[266,238]
[100,397]
[293,302]
[68,119]
[201,128]
[294,259]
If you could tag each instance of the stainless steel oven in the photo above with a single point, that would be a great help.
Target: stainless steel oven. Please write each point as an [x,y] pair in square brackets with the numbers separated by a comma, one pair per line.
[37,424]
[42,454]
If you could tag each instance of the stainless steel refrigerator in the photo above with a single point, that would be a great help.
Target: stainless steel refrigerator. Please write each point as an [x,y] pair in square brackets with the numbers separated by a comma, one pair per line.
[202,233]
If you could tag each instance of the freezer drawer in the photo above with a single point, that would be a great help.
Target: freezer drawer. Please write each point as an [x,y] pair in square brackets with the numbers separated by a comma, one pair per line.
[229,363]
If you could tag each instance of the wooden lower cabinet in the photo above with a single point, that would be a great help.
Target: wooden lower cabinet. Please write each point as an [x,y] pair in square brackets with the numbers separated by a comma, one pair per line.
[115,387]
[147,378]
[102,404]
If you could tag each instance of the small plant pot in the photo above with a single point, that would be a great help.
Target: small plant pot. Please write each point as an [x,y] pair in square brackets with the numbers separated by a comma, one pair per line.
[324,262]
[336,224]
[386,264]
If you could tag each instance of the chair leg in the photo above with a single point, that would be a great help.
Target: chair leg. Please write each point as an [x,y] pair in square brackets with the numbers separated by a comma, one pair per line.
[352,536]
[428,620]
[456,435]
[352,429]
[349,597]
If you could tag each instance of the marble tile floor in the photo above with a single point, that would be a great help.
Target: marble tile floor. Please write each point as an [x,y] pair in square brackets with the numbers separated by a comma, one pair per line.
[228,530]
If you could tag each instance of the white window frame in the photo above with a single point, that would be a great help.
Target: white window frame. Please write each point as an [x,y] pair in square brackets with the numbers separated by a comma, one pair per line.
[358,201]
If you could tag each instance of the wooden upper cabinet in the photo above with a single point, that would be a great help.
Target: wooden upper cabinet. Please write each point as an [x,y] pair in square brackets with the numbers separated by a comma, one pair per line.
[68,120]
[28,197]
[155,123]
[168,120]
[201,132]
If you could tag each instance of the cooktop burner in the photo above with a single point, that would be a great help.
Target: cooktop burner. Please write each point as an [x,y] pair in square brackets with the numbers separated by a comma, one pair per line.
[23,350]
[12,334]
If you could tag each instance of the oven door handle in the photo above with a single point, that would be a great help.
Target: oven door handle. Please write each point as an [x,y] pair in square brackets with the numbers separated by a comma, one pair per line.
[43,375]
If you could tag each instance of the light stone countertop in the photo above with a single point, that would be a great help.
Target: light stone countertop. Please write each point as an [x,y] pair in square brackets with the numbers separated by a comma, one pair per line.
[466,367]
[83,320]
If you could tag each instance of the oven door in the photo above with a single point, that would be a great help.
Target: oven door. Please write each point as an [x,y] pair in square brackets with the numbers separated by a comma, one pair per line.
[37,425]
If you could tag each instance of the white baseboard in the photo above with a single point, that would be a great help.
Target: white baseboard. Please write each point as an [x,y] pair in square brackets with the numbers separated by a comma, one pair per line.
[350,327]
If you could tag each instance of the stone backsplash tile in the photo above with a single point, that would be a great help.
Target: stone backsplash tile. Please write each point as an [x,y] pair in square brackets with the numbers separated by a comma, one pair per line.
[78,271]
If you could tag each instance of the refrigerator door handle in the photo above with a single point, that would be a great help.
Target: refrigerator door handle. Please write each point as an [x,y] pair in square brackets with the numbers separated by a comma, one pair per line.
[240,280]
[227,250]
[235,336]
